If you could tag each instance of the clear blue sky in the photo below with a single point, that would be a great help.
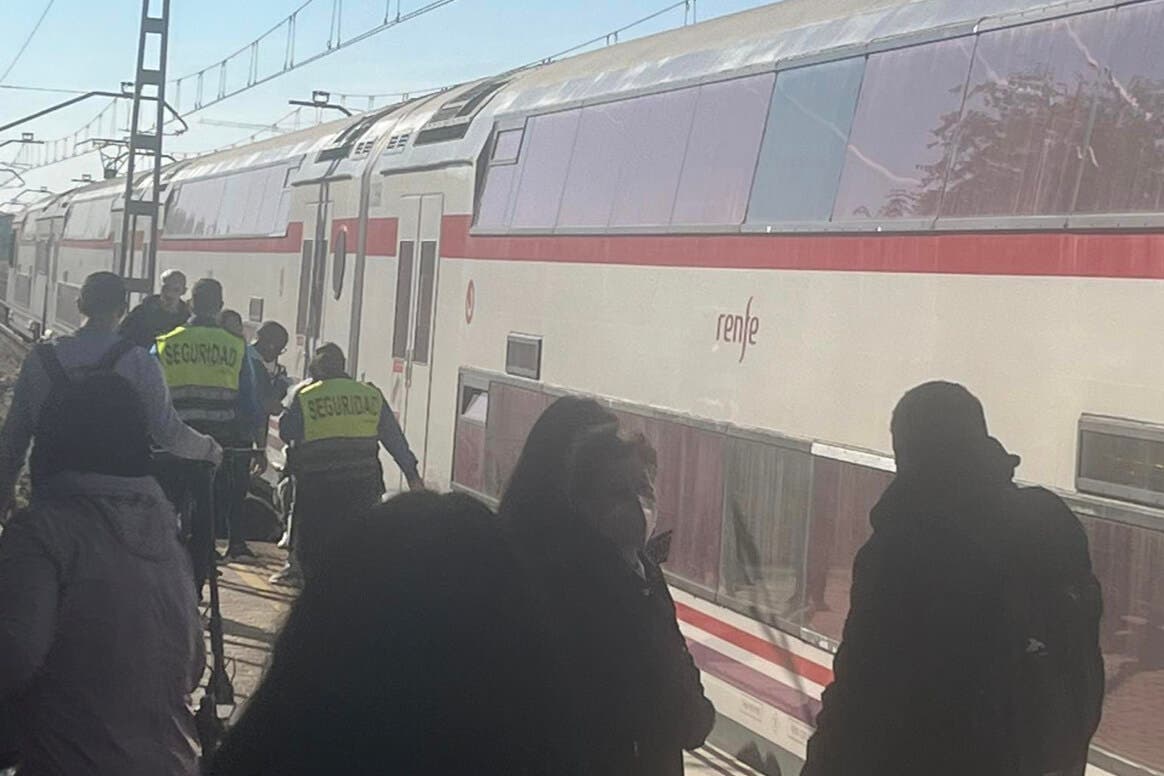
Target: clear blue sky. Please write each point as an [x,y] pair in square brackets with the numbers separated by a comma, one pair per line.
[91,44]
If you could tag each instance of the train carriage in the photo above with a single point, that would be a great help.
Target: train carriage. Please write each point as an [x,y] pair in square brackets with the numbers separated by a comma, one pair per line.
[749,237]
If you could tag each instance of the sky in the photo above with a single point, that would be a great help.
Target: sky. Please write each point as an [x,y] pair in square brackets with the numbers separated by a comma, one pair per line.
[92,44]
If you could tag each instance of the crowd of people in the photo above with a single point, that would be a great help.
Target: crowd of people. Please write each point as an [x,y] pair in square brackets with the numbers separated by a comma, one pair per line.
[434,636]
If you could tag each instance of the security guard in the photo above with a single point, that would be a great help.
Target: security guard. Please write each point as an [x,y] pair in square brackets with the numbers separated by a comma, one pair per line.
[213,388]
[334,427]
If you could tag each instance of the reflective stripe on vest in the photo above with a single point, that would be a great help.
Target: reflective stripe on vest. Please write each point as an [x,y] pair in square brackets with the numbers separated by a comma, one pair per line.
[202,365]
[341,428]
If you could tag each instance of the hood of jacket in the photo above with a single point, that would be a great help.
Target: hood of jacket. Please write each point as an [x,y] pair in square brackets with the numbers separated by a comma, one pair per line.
[134,509]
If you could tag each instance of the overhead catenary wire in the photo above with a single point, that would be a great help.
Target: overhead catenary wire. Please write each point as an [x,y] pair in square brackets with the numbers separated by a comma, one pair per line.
[27,40]
[72,145]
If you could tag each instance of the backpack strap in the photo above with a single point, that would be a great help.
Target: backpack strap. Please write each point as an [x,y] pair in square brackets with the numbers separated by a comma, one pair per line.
[109,361]
[52,365]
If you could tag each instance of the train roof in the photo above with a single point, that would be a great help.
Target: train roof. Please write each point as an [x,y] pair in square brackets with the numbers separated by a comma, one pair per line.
[761,37]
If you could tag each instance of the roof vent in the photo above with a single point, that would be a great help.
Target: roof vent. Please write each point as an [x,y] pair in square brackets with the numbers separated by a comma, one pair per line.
[396,143]
[363,148]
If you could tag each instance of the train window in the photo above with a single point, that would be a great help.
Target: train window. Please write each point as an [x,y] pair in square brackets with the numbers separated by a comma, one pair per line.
[512,413]
[653,145]
[766,494]
[721,151]
[493,204]
[403,299]
[1121,459]
[1025,119]
[894,165]
[90,220]
[66,309]
[249,203]
[339,261]
[506,146]
[842,495]
[1123,169]
[548,141]
[42,255]
[689,500]
[7,241]
[594,161]
[304,287]
[1128,560]
[426,286]
[804,144]
[469,444]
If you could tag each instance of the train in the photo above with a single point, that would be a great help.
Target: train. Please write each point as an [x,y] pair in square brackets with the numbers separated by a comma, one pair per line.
[748,237]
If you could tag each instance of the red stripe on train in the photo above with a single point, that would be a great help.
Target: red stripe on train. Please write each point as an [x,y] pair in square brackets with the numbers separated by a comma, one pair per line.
[757,646]
[1139,255]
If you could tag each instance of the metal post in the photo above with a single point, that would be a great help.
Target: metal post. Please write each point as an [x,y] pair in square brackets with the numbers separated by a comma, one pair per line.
[139,275]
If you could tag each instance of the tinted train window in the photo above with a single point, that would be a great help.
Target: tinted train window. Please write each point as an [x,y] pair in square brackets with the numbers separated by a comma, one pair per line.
[90,220]
[804,144]
[403,298]
[1129,563]
[767,493]
[512,413]
[895,163]
[653,143]
[721,151]
[842,495]
[1025,119]
[1123,169]
[689,496]
[593,171]
[250,203]
[538,194]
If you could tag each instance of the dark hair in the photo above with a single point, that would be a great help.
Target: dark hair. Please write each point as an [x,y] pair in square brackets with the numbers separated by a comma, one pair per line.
[538,489]
[413,645]
[273,330]
[102,293]
[228,314]
[934,421]
[328,361]
[96,425]
[608,465]
[206,297]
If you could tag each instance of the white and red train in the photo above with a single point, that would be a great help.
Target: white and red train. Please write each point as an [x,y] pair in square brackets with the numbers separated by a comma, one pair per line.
[750,236]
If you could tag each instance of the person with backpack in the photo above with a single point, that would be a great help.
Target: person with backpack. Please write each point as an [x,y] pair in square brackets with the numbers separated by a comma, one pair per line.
[94,348]
[971,646]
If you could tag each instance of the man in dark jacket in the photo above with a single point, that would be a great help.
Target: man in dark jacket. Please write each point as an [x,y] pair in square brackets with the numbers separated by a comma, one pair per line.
[158,313]
[936,663]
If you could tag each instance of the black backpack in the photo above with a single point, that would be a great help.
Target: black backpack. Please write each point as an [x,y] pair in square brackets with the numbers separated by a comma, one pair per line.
[1051,691]
[62,385]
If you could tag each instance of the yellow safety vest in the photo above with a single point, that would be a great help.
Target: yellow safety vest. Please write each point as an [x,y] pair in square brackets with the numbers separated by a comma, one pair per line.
[202,365]
[341,428]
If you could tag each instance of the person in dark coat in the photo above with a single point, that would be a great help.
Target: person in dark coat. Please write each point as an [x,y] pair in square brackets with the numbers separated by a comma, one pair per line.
[158,314]
[413,653]
[927,675]
[629,693]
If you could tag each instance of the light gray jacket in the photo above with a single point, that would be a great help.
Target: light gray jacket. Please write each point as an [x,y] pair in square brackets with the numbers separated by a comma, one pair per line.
[100,638]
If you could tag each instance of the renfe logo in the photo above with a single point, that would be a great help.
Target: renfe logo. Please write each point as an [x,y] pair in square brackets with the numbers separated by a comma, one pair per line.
[738,328]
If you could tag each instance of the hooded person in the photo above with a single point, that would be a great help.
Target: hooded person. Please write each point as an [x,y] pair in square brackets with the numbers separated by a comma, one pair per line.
[100,639]
[934,674]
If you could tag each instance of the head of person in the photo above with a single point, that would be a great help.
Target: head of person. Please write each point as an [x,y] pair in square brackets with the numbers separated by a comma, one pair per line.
[271,340]
[95,426]
[232,321]
[103,299]
[206,298]
[173,288]
[381,638]
[936,424]
[327,363]
[538,489]
[612,489]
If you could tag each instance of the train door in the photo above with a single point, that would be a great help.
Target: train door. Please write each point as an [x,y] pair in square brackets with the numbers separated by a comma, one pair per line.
[312,275]
[47,229]
[412,334]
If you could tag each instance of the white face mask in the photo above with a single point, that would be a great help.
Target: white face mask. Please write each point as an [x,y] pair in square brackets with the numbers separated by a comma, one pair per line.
[649,515]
